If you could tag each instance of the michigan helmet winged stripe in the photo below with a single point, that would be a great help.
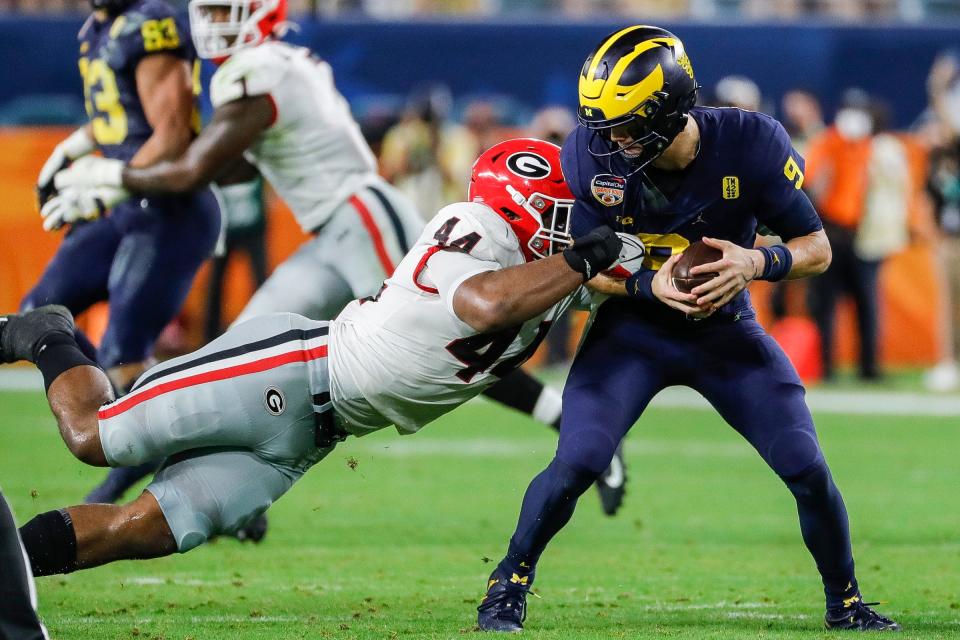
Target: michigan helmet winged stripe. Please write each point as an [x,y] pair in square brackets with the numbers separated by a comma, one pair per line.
[640,78]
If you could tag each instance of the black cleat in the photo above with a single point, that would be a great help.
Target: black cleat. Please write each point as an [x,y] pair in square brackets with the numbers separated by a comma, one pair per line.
[612,485]
[254,531]
[856,615]
[504,607]
[20,333]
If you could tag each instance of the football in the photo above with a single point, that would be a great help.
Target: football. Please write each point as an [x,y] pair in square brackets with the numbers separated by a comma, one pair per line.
[631,257]
[696,254]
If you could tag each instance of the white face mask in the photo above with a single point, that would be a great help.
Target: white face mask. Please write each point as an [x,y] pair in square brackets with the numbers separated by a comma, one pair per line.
[953,106]
[854,124]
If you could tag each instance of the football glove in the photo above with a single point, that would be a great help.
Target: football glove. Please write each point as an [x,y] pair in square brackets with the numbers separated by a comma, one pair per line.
[594,252]
[75,205]
[91,171]
[76,145]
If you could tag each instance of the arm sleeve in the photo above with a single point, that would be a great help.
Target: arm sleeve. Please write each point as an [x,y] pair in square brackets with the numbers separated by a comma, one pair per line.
[783,206]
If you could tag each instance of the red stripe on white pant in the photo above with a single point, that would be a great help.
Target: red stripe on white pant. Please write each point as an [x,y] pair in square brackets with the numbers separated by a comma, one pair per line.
[265,364]
[371,226]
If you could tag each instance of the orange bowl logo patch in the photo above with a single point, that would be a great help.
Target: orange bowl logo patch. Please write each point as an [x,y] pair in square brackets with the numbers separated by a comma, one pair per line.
[608,189]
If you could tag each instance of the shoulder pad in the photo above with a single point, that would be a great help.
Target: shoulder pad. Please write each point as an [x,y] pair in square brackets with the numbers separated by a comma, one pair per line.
[150,27]
[475,229]
[253,71]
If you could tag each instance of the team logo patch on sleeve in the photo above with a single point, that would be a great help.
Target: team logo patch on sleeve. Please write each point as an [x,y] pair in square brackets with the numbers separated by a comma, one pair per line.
[608,189]
[731,187]
[273,401]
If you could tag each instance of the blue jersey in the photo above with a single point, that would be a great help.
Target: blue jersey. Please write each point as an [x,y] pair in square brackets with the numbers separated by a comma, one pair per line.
[109,54]
[746,173]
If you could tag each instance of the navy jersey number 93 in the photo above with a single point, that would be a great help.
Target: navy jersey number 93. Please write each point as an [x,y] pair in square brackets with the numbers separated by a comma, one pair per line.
[109,54]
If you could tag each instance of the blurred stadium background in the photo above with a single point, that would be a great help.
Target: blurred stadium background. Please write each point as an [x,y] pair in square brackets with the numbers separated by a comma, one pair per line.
[434,82]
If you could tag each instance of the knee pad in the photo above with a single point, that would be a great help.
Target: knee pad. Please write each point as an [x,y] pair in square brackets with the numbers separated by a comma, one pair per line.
[794,453]
[814,483]
[588,450]
[571,481]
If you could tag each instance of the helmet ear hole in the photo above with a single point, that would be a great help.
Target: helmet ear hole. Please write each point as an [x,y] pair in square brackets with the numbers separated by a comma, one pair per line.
[510,214]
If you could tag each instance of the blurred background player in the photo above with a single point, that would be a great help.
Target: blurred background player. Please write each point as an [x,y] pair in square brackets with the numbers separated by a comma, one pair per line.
[137,64]
[243,210]
[276,106]
[243,418]
[18,595]
[943,186]
[858,176]
[678,174]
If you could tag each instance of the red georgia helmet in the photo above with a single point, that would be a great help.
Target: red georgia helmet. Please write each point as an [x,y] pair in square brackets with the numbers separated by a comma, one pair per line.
[521,180]
[244,23]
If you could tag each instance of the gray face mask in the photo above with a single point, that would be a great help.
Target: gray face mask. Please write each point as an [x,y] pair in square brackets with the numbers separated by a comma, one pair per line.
[854,124]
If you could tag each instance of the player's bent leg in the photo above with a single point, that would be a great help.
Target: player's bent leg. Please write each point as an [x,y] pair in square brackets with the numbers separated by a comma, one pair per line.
[605,394]
[302,284]
[75,386]
[88,536]
[210,492]
[761,396]
[522,392]
[75,398]
[118,481]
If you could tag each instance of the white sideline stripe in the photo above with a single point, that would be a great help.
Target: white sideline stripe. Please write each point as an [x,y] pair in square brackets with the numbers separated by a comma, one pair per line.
[500,448]
[897,403]
[20,379]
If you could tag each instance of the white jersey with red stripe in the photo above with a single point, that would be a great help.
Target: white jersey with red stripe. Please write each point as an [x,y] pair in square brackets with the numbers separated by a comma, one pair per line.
[313,154]
[403,357]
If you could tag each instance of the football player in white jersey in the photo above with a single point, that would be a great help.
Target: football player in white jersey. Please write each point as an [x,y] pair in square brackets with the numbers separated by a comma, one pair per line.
[276,107]
[240,420]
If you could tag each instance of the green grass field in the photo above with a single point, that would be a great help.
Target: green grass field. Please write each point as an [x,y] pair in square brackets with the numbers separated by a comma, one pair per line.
[399,546]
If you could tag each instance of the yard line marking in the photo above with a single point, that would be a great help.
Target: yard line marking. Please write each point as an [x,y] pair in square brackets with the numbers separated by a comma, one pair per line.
[500,448]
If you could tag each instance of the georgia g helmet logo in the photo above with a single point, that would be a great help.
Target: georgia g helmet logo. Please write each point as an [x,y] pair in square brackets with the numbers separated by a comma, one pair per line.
[527,164]
[273,401]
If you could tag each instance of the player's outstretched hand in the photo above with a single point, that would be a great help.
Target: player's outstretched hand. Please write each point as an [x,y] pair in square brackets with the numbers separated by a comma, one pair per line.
[75,205]
[91,171]
[669,295]
[76,145]
[593,252]
[734,270]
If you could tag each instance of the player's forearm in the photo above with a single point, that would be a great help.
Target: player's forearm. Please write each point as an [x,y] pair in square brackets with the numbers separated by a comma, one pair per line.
[499,299]
[166,143]
[179,176]
[811,255]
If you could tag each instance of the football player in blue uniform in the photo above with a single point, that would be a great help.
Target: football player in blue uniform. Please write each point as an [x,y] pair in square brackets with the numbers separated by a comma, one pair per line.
[138,69]
[645,160]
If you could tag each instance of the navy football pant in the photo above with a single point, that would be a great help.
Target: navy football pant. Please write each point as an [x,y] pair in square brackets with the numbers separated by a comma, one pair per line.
[142,260]
[740,370]
[18,598]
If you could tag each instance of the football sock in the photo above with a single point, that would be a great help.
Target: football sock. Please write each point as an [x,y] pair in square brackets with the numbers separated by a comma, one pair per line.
[547,409]
[50,543]
[547,506]
[56,353]
[83,342]
[521,391]
[826,532]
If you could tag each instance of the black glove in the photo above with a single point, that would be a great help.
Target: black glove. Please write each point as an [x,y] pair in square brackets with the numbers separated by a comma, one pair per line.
[594,252]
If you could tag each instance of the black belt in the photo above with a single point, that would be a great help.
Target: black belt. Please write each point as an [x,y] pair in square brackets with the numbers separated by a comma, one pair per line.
[326,432]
